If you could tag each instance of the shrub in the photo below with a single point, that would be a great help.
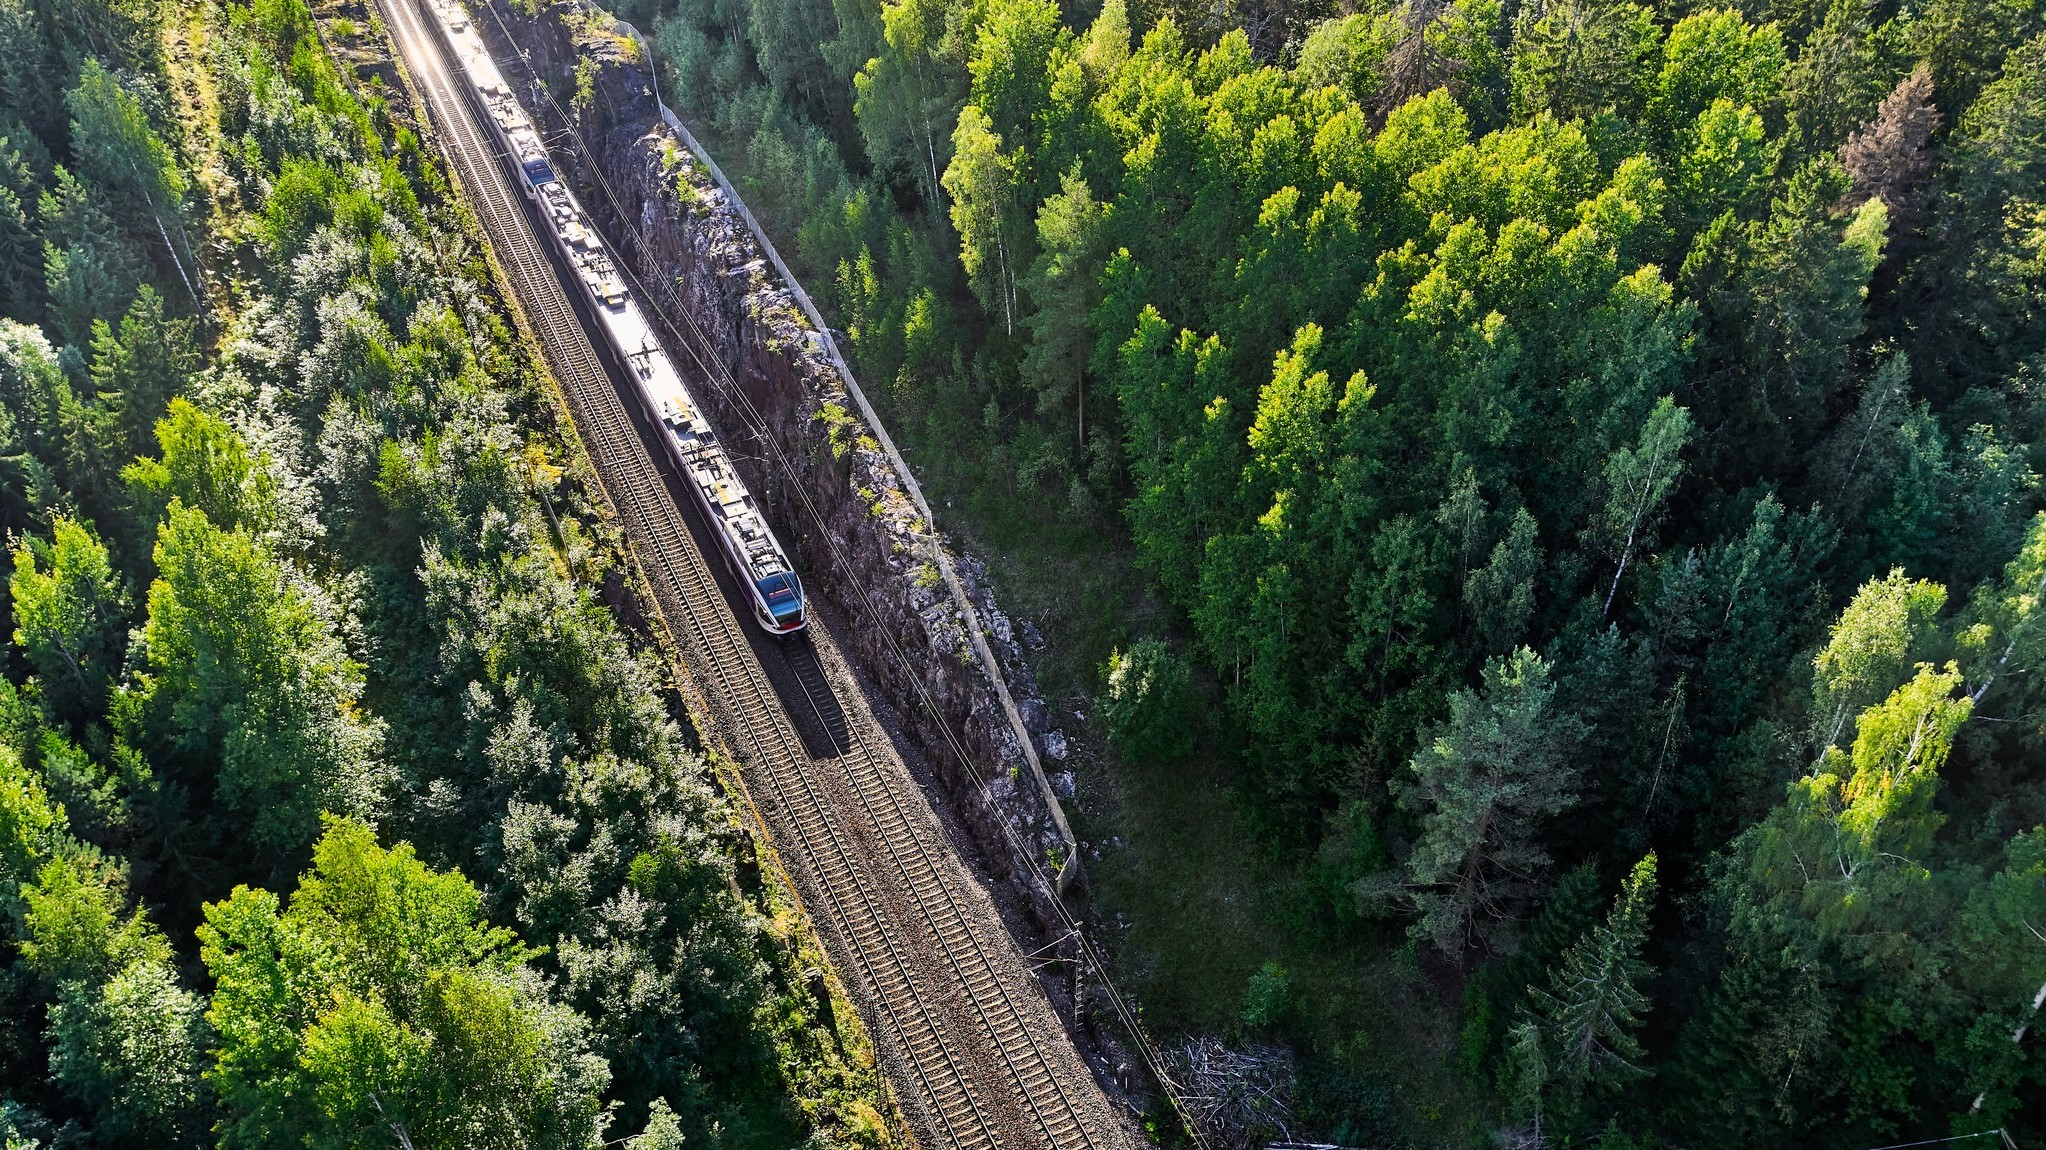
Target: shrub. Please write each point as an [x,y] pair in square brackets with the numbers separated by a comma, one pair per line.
[1264,1000]
[1150,702]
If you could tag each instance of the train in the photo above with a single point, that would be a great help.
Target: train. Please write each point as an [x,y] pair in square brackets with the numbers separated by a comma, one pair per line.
[749,546]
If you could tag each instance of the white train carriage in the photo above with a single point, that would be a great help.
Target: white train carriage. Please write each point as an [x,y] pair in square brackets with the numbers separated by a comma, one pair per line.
[750,548]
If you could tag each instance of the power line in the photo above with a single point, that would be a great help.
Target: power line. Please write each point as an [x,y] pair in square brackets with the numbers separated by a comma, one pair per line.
[720,376]
[1998,1132]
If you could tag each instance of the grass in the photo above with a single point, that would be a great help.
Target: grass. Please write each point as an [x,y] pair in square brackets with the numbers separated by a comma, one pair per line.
[1191,903]
[1194,907]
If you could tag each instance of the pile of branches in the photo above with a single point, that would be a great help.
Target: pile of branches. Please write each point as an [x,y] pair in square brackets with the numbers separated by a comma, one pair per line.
[1239,1099]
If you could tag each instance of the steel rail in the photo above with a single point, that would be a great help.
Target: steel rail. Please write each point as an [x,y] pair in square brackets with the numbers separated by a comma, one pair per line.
[746,704]
[1061,1127]
[955,934]
[619,448]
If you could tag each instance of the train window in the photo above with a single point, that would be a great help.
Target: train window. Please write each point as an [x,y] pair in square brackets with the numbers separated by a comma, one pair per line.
[784,595]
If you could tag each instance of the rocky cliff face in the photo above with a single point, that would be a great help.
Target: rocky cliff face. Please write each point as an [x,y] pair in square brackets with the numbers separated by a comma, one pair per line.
[833,495]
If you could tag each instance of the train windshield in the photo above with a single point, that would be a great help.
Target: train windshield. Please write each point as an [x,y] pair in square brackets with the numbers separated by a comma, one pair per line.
[783,594]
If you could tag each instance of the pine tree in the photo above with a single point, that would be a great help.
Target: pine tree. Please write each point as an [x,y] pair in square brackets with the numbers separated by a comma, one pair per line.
[1500,595]
[21,253]
[1484,785]
[1979,278]
[1594,1002]
[1835,81]
[90,267]
[138,366]
[119,153]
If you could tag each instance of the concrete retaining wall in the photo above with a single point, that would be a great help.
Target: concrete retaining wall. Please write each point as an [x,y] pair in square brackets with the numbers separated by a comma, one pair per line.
[872,557]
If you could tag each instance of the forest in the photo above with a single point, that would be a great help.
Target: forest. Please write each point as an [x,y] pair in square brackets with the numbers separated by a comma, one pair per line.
[1588,453]
[336,806]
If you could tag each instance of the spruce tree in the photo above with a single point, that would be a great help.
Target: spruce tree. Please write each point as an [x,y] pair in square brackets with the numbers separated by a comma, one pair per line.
[1594,1002]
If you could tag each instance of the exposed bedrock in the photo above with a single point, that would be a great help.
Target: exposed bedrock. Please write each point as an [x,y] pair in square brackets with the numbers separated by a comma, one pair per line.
[735,304]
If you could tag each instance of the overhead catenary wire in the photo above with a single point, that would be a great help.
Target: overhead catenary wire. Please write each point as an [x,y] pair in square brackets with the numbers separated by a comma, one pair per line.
[485,177]
[720,376]
[1999,1132]
[710,369]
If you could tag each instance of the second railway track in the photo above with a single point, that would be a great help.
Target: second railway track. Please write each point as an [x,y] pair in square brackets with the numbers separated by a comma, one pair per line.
[977,1054]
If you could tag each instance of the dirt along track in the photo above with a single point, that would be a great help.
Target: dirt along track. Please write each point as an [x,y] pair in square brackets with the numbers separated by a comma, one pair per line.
[972,1045]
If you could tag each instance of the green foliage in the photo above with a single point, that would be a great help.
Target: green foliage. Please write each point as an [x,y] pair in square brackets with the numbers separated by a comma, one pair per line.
[1348,53]
[1878,797]
[663,1131]
[131,1050]
[2006,969]
[1500,595]
[207,466]
[982,181]
[376,1002]
[138,367]
[125,1040]
[1880,636]
[1711,56]
[350,585]
[1266,998]
[90,270]
[70,616]
[1149,705]
[1637,336]
[244,665]
[1063,292]
[21,251]
[1578,59]
[1482,787]
[31,827]
[77,930]
[119,151]
[1638,481]
[1595,1000]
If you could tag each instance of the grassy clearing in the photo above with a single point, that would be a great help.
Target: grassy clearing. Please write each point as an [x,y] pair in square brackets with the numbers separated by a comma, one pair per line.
[1193,908]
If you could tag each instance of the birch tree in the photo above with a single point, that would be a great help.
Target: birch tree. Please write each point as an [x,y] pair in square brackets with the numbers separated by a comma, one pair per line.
[1638,480]
[982,181]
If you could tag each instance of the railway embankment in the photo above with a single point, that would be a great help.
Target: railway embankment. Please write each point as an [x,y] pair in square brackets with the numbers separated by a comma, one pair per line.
[825,462]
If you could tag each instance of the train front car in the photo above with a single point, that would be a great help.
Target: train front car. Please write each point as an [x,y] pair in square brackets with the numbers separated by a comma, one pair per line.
[782,596]
[770,584]
[507,117]
[774,594]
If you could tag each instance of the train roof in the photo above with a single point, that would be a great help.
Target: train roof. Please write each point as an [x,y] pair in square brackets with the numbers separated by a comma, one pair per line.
[705,462]
[706,466]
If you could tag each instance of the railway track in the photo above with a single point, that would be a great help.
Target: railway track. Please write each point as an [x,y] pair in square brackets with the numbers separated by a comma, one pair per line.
[977,1054]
